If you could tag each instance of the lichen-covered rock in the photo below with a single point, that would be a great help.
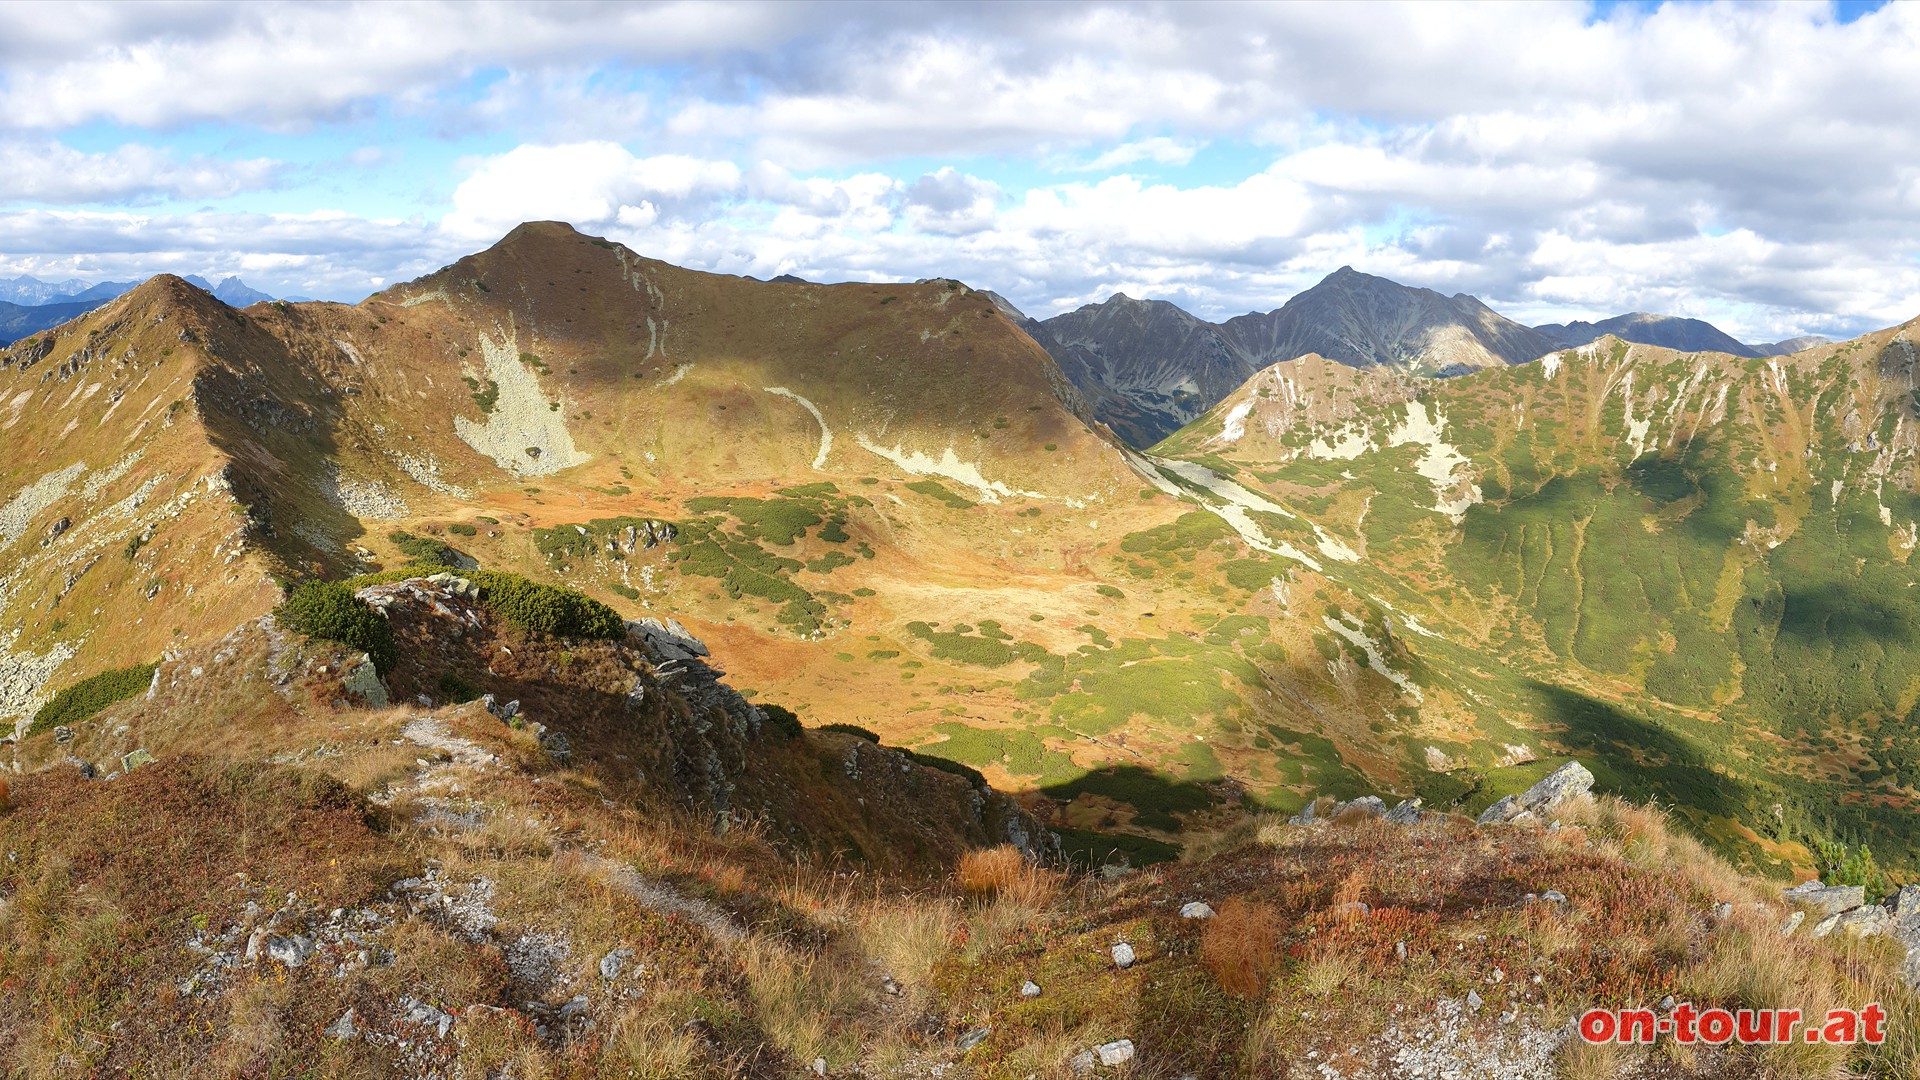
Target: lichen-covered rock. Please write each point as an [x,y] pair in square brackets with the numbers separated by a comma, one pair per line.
[363,681]
[1566,782]
[1829,899]
[1407,812]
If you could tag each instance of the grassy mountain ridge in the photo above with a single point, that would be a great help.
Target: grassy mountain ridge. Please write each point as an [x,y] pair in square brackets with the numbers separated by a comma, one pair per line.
[1694,566]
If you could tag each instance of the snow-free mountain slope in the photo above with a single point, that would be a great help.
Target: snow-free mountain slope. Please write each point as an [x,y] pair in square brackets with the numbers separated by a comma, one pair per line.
[1623,547]
[1369,321]
[1666,331]
[1148,367]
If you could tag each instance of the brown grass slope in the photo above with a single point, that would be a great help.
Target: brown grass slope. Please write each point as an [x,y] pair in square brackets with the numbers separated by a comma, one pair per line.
[126,495]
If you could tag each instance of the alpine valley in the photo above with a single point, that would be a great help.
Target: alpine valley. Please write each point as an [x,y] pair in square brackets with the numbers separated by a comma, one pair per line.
[692,624]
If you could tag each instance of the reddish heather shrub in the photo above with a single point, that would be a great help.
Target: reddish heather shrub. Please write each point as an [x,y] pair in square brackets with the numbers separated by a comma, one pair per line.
[6,795]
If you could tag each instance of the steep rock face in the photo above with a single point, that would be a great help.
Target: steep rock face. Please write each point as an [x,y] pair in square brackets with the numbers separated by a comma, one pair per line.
[1666,331]
[1369,321]
[1146,365]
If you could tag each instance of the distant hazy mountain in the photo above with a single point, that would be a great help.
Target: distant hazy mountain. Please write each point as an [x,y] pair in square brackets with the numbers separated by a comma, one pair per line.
[73,297]
[1791,345]
[24,320]
[1147,367]
[1666,331]
[231,291]
[106,290]
[31,291]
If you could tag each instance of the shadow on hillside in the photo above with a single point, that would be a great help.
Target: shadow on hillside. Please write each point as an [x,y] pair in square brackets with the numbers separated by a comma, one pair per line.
[274,418]
[1639,759]
[1155,796]
[1839,612]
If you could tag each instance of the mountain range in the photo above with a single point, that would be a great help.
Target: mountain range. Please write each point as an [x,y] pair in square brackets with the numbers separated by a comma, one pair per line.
[1148,367]
[29,305]
[566,622]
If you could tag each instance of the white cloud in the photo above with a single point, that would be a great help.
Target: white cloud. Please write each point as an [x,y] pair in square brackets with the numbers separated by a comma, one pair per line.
[1752,163]
[51,172]
[325,254]
[588,184]
[1159,149]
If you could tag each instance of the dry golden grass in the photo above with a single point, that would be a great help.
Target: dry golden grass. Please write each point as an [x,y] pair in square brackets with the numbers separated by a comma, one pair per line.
[1348,893]
[510,831]
[907,937]
[648,1046]
[802,1003]
[1005,873]
[1241,946]
[1198,846]
[1328,972]
[1647,838]
[1580,1060]
[6,795]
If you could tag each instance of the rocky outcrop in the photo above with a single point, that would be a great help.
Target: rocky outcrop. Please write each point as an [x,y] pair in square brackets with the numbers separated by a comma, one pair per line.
[1827,899]
[1566,782]
[1569,781]
[1842,909]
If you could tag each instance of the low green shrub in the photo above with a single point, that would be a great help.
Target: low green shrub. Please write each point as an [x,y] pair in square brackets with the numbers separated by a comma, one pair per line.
[782,720]
[935,489]
[88,696]
[424,551]
[547,609]
[852,729]
[329,610]
[458,690]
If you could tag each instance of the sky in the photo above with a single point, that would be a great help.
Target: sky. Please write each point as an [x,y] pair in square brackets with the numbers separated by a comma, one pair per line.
[1756,165]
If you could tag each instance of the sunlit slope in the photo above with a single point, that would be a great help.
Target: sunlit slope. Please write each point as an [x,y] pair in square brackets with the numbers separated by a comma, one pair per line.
[1693,565]
[129,499]
[881,504]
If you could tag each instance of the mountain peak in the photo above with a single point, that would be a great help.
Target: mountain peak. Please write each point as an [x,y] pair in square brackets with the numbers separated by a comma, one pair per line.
[531,233]
[1645,328]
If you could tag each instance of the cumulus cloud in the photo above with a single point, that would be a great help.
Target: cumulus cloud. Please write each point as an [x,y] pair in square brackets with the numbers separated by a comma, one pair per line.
[1753,164]
[589,184]
[1160,150]
[331,255]
[51,172]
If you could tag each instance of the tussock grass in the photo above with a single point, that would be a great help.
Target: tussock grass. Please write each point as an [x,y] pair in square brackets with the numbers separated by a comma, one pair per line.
[803,1003]
[1241,946]
[908,937]
[1005,873]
